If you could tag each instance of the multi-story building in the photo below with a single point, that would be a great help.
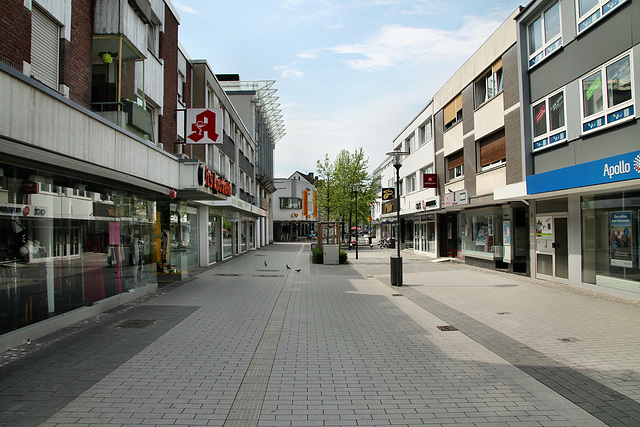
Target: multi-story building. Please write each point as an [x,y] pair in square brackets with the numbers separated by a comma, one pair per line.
[99,195]
[418,197]
[257,105]
[295,211]
[578,65]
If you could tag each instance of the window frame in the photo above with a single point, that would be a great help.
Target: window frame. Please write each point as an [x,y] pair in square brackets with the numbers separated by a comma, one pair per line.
[608,116]
[458,171]
[595,14]
[493,79]
[295,203]
[551,137]
[548,46]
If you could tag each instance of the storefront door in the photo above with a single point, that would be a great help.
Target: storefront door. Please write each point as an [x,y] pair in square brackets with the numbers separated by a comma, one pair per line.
[552,248]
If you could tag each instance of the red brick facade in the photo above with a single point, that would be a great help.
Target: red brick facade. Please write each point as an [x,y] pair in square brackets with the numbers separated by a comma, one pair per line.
[15,33]
[169,53]
[75,55]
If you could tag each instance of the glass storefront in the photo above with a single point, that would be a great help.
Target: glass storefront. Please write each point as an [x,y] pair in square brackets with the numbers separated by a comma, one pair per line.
[424,237]
[227,238]
[214,237]
[67,243]
[611,240]
[481,232]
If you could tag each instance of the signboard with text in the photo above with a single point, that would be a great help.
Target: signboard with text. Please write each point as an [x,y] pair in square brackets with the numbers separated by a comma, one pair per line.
[204,126]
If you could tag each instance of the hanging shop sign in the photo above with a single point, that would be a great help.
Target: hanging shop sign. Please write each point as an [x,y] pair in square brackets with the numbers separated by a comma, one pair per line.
[315,203]
[204,126]
[429,180]
[305,203]
[388,193]
[212,180]
[389,207]
[429,204]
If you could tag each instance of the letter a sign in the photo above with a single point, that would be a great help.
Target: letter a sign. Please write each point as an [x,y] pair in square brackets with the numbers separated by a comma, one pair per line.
[204,126]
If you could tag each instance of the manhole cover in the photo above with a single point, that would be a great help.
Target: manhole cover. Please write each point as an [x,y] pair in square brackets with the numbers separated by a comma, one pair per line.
[447,328]
[136,323]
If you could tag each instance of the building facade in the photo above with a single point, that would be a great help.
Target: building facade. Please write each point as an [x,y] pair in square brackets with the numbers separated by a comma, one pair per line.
[100,197]
[295,211]
[579,101]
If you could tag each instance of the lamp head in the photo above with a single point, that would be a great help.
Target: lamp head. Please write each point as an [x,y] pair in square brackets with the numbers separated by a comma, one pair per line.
[397,156]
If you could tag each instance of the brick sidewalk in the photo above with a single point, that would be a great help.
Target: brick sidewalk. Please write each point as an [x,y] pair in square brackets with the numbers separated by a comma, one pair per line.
[249,344]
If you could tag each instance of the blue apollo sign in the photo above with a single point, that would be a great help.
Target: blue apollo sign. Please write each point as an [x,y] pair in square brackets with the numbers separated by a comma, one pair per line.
[612,169]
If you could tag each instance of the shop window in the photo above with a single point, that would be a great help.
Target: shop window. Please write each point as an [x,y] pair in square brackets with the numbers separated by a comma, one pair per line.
[453,112]
[455,166]
[591,11]
[482,231]
[548,120]
[492,151]
[489,84]
[545,34]
[290,203]
[604,106]
[610,243]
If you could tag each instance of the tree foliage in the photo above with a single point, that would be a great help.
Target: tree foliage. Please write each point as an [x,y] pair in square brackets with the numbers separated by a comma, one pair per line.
[336,196]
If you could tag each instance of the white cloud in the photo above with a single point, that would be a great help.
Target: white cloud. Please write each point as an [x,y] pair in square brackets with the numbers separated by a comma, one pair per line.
[396,45]
[289,72]
[185,8]
[308,55]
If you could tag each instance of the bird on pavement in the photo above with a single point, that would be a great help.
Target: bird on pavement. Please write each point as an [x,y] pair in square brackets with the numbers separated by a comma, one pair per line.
[288,268]
[298,270]
[265,263]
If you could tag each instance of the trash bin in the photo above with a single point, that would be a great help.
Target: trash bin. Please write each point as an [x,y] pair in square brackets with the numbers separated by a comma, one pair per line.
[396,271]
[392,244]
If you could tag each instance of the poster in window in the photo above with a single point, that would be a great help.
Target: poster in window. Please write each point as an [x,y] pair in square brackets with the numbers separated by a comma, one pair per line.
[506,233]
[544,226]
[621,239]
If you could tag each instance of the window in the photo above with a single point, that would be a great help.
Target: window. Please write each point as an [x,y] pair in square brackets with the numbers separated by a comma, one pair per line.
[411,183]
[590,11]
[603,107]
[453,112]
[455,166]
[390,183]
[290,203]
[222,164]
[492,151]
[545,34]
[182,81]
[489,85]
[548,117]
[428,169]
[408,144]
[232,171]
[152,39]
[45,41]
[425,133]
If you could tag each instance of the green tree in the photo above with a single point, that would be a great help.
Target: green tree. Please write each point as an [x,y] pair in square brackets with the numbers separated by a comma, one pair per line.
[336,197]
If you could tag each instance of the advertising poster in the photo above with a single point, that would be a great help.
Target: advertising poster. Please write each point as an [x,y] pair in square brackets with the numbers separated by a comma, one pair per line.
[621,239]
[544,226]
[506,233]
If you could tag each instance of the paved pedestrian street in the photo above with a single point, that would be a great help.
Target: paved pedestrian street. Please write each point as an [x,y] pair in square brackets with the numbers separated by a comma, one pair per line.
[252,343]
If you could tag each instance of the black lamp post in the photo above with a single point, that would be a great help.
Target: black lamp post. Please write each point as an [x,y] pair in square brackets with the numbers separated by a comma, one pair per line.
[356,187]
[396,262]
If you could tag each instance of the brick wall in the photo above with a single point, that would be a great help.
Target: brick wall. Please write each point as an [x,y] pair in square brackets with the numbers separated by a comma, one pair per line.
[75,55]
[169,53]
[15,33]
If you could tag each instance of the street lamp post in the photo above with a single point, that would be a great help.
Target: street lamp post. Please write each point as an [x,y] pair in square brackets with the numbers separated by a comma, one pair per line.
[396,263]
[356,187]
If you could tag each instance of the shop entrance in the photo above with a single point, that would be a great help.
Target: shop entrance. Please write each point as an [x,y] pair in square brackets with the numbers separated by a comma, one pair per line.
[552,248]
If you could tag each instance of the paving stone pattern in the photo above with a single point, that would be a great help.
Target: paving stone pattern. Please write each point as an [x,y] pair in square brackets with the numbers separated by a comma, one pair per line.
[249,344]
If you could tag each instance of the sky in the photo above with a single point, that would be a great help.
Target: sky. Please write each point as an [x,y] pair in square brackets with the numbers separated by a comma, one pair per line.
[349,73]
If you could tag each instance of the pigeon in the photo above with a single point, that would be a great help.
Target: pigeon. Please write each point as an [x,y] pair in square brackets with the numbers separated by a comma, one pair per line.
[298,270]
[288,268]
[265,263]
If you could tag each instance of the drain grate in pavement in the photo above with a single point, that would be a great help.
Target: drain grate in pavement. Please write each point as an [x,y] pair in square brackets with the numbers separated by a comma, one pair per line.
[228,274]
[504,312]
[267,275]
[505,286]
[396,295]
[447,328]
[136,323]
[568,339]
